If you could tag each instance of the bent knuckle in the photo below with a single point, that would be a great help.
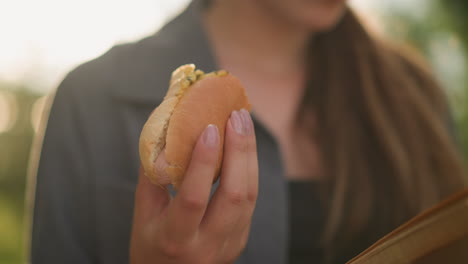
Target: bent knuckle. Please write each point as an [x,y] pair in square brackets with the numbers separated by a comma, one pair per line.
[192,203]
[236,197]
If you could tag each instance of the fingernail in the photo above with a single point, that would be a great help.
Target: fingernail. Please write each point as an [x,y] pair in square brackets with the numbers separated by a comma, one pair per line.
[237,123]
[211,136]
[247,120]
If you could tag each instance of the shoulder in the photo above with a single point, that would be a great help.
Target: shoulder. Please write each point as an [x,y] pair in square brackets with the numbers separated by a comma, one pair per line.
[140,71]
[123,65]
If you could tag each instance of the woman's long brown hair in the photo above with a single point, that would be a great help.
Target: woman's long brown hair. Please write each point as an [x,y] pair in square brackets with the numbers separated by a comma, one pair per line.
[383,133]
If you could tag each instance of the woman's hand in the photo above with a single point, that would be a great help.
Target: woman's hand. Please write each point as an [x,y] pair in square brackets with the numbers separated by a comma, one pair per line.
[191,228]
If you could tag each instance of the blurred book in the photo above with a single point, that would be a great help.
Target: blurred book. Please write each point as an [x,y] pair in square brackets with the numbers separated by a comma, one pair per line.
[436,236]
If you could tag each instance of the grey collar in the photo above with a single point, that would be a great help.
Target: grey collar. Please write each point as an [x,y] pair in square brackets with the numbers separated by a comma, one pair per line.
[148,64]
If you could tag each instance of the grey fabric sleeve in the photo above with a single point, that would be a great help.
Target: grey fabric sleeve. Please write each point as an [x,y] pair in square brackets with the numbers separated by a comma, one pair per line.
[62,217]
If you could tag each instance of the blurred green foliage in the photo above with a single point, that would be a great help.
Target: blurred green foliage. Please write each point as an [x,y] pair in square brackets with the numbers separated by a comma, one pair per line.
[14,154]
[455,13]
[440,31]
[442,20]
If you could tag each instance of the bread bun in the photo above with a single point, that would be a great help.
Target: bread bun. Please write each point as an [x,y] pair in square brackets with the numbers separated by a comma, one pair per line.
[193,101]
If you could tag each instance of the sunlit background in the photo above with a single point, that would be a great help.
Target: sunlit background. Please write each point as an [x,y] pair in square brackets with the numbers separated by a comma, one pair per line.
[40,41]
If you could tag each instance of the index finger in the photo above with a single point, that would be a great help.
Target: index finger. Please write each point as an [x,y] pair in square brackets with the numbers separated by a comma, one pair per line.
[189,205]
[234,200]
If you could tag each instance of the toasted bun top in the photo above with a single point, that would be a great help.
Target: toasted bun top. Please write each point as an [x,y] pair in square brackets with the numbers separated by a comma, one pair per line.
[208,101]
[194,100]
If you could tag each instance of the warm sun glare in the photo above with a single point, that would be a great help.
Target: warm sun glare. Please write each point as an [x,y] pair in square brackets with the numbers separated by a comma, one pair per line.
[42,40]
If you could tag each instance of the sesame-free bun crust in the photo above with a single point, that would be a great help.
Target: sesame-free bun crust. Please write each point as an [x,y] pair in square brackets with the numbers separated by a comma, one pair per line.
[152,138]
[176,124]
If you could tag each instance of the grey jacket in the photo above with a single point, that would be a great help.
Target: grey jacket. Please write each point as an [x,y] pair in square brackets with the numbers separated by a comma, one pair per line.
[87,172]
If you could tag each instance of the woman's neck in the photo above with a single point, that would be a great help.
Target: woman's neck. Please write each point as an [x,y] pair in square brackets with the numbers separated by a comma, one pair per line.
[244,32]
